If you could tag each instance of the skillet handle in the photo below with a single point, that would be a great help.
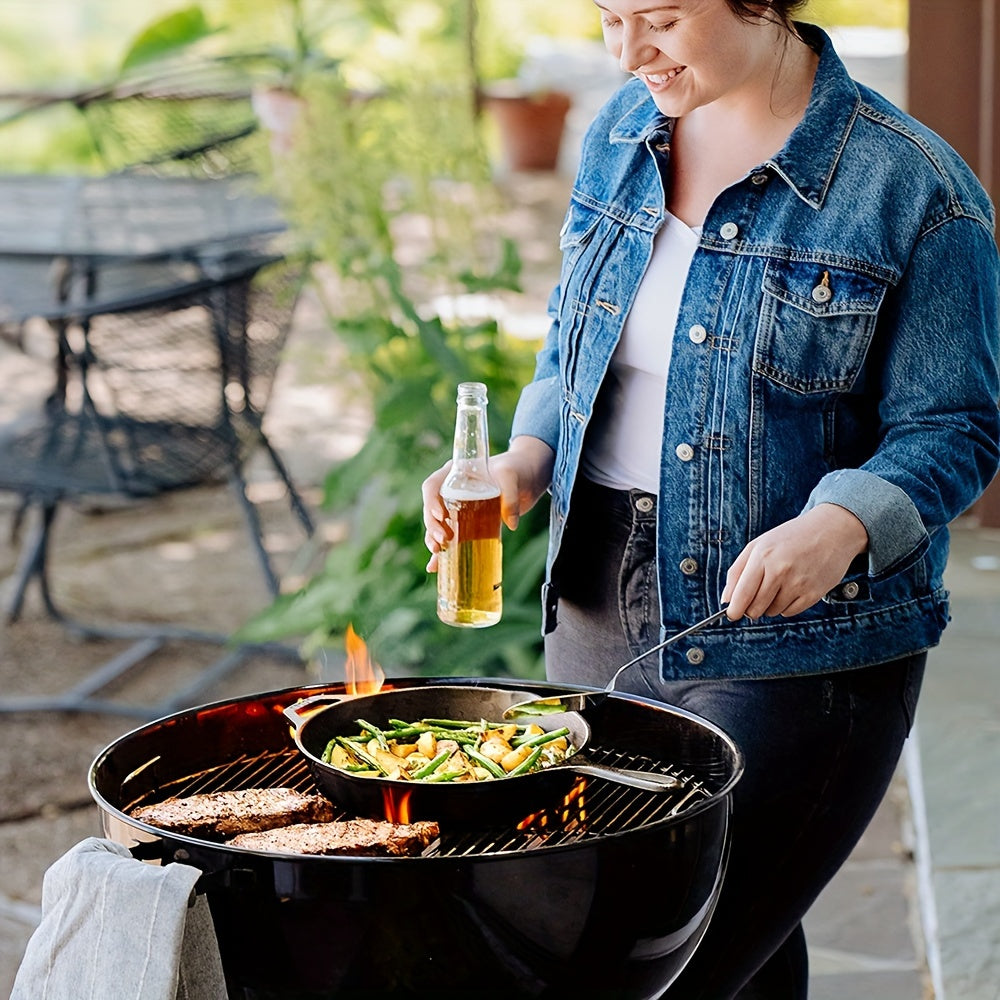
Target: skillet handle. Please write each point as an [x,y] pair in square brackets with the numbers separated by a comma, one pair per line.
[651,781]
[302,709]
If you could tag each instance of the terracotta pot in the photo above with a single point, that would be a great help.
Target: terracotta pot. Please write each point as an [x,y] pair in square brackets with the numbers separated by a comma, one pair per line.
[531,126]
[279,111]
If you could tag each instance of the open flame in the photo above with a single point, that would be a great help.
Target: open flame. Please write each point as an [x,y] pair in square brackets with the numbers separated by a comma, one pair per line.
[362,675]
[396,805]
[571,812]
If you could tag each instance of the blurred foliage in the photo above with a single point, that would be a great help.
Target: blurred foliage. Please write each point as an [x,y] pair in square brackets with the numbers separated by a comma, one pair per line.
[402,230]
[853,13]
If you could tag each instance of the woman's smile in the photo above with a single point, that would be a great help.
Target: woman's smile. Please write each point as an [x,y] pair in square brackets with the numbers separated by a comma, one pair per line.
[658,82]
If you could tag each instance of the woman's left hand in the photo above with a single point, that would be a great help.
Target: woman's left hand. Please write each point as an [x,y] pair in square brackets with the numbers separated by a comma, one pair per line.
[789,568]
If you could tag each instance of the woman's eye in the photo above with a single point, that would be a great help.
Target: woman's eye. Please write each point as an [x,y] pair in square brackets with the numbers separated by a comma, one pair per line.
[609,22]
[662,27]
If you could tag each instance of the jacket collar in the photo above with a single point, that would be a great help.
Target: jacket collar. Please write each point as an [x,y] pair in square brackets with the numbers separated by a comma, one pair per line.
[809,158]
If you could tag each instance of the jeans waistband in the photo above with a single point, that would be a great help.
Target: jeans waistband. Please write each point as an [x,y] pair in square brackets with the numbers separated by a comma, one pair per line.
[593,496]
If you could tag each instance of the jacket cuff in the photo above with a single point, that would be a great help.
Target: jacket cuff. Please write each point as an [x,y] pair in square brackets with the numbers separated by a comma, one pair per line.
[896,534]
[537,413]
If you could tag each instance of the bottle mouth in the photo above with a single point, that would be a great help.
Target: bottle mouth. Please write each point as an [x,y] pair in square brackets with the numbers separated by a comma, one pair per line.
[473,390]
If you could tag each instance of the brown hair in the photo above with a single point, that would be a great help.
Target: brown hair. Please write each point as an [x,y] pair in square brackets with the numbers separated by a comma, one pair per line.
[782,10]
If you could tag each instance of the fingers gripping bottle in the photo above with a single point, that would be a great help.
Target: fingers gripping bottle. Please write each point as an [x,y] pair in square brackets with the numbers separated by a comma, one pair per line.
[469,564]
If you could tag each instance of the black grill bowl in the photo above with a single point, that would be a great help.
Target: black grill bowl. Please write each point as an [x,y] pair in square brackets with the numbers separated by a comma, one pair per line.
[614,909]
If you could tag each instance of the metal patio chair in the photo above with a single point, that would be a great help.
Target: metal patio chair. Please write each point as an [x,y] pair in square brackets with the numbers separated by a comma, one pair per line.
[161,385]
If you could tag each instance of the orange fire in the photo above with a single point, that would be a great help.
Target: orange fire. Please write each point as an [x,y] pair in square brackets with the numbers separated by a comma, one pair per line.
[396,805]
[363,676]
[572,810]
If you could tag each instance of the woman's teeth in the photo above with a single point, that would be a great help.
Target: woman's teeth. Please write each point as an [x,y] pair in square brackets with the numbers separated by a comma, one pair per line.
[662,78]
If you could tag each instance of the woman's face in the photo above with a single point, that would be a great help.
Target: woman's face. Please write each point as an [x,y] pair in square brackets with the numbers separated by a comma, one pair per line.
[689,53]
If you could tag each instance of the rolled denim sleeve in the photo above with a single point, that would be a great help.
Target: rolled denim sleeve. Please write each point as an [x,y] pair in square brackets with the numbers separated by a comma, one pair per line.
[939,436]
[896,532]
[537,412]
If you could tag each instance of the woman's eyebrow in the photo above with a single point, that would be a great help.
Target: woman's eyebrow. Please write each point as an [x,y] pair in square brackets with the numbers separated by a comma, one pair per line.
[648,10]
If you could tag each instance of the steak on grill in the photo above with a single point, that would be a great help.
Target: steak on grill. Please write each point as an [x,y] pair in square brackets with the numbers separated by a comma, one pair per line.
[225,814]
[357,837]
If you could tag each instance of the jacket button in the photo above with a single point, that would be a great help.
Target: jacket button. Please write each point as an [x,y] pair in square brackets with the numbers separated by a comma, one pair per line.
[851,590]
[684,452]
[644,504]
[688,566]
[758,178]
[695,656]
[729,230]
[822,293]
[698,334]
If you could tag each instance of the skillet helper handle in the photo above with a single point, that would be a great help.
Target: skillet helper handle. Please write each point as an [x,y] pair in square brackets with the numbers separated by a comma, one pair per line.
[304,707]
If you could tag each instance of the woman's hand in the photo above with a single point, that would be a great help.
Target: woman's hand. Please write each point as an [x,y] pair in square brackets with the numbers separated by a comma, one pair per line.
[789,568]
[523,473]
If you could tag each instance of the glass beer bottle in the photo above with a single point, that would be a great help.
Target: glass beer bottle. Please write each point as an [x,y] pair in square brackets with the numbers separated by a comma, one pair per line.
[470,561]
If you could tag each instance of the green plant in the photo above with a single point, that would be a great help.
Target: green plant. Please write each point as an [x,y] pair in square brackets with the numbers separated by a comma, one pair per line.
[362,180]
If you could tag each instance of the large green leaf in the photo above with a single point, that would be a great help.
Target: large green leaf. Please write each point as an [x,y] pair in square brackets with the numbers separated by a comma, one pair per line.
[168,36]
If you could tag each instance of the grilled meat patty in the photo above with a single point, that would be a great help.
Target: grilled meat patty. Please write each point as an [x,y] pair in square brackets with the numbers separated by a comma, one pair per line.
[225,814]
[358,837]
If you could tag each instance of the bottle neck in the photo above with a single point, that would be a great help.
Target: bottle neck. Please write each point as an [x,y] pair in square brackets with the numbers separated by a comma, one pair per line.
[471,451]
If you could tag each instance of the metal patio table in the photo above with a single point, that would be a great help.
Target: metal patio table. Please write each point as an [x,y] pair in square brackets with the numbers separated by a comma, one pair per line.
[168,301]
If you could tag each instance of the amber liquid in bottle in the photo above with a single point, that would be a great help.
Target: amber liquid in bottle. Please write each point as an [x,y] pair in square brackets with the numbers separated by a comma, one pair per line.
[470,570]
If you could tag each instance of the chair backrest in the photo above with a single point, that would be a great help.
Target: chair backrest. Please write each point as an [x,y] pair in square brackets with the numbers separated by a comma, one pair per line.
[189,120]
[163,396]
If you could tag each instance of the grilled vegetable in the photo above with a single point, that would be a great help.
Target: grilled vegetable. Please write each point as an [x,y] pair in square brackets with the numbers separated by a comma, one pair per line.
[447,749]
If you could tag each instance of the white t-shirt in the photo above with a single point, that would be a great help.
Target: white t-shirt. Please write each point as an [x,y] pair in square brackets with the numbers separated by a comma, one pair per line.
[623,444]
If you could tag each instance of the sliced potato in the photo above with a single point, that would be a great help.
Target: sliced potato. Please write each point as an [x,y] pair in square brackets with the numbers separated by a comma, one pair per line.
[515,757]
[427,745]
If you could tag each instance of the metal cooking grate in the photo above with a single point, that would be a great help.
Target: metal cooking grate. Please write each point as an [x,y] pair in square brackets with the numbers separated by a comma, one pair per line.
[594,808]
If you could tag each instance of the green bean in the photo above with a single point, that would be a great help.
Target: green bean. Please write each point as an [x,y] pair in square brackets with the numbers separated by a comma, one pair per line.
[362,754]
[527,764]
[374,731]
[445,776]
[464,724]
[431,767]
[403,731]
[534,741]
[495,769]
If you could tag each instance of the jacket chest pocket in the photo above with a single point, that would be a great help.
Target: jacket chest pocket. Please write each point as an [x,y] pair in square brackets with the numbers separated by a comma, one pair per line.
[816,324]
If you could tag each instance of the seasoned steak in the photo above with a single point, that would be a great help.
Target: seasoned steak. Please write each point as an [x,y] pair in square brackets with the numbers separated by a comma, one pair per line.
[358,837]
[224,814]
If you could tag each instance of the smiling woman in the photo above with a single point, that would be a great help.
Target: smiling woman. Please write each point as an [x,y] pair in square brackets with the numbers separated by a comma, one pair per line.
[732,408]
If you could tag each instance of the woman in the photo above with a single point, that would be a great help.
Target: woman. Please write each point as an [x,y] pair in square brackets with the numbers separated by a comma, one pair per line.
[770,382]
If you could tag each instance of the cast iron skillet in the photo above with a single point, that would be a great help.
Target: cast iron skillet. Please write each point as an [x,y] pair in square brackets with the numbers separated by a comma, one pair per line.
[458,804]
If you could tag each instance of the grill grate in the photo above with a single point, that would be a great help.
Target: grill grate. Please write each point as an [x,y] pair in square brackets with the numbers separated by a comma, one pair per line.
[594,808]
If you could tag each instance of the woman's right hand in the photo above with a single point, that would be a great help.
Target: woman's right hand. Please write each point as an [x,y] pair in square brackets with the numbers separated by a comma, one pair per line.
[523,473]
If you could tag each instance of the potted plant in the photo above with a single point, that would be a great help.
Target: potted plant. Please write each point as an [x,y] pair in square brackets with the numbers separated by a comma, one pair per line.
[528,109]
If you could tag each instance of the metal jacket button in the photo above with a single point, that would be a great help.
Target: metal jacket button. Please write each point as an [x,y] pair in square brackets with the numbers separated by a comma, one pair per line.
[644,504]
[758,178]
[688,566]
[851,590]
[695,656]
[823,292]
[697,333]
[684,452]
[729,230]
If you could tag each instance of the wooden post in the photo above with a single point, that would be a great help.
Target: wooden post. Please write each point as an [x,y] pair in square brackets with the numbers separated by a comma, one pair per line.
[953,85]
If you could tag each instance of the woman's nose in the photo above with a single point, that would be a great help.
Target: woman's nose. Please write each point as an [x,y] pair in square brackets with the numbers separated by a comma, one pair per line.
[635,51]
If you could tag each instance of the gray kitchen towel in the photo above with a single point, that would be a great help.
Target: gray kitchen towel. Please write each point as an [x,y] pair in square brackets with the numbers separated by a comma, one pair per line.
[114,928]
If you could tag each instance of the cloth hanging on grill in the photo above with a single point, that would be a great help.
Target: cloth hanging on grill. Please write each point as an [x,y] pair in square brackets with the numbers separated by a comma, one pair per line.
[114,928]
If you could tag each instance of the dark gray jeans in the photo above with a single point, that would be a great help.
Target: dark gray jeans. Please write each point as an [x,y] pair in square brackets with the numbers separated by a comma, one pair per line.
[820,749]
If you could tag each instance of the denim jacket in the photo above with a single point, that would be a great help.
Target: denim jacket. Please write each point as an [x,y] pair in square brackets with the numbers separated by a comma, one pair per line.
[837,342]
